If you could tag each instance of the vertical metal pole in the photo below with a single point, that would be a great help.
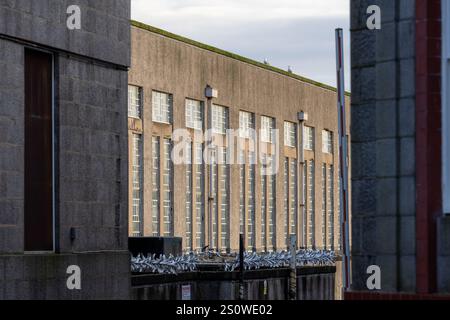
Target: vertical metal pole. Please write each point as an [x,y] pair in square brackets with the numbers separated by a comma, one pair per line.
[293,267]
[241,267]
[343,159]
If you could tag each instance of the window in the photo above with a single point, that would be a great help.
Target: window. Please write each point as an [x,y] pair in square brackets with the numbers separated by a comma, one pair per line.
[242,192]
[137,176]
[167,189]
[162,107]
[162,184]
[267,129]
[324,206]
[224,185]
[221,200]
[251,203]
[219,119]
[38,152]
[155,187]
[330,207]
[311,204]
[286,201]
[446,106]
[263,209]
[304,209]
[134,102]
[327,141]
[199,197]
[290,134]
[246,124]
[293,191]
[194,114]
[271,208]
[308,138]
[189,207]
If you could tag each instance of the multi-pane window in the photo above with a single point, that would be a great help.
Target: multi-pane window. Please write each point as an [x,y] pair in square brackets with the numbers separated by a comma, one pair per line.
[167,190]
[162,107]
[311,204]
[194,114]
[324,205]
[308,138]
[246,124]
[224,185]
[286,201]
[290,134]
[251,203]
[293,192]
[214,194]
[189,207]
[156,186]
[221,202]
[137,177]
[219,119]
[242,192]
[330,207]
[327,141]
[304,199]
[199,197]
[134,102]
[291,198]
[263,210]
[268,202]
[271,208]
[267,129]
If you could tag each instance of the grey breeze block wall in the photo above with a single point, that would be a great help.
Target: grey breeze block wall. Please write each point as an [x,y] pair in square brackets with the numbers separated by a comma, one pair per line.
[91,148]
[383,144]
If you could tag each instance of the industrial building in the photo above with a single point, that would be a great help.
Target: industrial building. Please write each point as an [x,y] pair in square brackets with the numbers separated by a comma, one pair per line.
[281,181]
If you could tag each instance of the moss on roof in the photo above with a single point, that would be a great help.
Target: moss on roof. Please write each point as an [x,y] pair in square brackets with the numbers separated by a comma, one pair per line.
[231,55]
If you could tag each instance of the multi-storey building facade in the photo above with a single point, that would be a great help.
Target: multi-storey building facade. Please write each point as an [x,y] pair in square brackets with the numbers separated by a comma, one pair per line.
[281,180]
[63,154]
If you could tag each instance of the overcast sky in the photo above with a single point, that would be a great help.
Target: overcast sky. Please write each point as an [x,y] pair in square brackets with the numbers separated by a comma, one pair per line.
[296,33]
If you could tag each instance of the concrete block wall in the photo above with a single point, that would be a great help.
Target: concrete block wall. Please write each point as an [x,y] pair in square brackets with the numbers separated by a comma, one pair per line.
[104,34]
[383,144]
[90,108]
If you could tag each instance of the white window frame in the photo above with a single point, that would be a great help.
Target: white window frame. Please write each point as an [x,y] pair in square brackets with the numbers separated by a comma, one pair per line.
[290,134]
[134,102]
[159,114]
[194,114]
[306,138]
[267,129]
[219,119]
[246,123]
[327,142]
[446,106]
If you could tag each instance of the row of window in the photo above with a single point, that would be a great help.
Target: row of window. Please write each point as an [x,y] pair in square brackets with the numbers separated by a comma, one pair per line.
[162,112]
[162,180]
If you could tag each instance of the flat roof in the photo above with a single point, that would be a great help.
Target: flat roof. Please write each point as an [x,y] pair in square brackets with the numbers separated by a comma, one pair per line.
[231,55]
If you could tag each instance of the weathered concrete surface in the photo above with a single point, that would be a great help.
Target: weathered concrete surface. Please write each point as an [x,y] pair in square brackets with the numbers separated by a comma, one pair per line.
[90,109]
[104,34]
[383,145]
